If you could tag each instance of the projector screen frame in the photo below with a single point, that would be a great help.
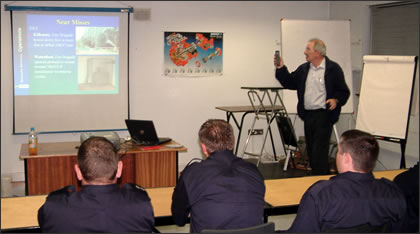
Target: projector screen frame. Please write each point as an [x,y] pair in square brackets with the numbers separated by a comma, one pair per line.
[60,10]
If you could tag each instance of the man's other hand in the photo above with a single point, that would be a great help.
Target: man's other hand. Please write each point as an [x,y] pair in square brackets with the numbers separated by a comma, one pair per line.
[332,102]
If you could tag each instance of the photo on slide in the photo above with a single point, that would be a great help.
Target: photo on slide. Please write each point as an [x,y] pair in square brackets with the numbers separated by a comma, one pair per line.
[98,73]
[97,40]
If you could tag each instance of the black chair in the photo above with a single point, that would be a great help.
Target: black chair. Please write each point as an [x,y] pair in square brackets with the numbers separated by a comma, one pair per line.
[363,228]
[266,227]
[288,137]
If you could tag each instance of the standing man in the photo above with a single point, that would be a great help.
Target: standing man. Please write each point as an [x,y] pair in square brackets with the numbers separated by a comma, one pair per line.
[101,205]
[222,191]
[353,198]
[321,91]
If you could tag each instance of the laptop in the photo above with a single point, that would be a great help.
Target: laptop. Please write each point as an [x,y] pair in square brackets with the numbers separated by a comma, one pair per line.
[143,132]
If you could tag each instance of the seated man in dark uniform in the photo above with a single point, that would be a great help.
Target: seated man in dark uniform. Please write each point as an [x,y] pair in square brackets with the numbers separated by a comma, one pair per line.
[353,198]
[408,182]
[101,205]
[222,191]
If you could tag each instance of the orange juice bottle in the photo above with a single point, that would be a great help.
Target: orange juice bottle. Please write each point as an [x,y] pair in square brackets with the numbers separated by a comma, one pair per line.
[33,142]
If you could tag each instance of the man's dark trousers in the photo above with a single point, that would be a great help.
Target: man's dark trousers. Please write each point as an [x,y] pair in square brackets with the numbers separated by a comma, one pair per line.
[317,136]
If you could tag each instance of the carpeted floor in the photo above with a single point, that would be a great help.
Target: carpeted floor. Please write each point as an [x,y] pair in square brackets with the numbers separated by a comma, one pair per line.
[275,170]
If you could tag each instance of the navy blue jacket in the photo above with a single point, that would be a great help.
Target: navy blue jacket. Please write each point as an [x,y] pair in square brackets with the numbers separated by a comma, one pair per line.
[97,208]
[221,192]
[408,182]
[335,85]
[348,200]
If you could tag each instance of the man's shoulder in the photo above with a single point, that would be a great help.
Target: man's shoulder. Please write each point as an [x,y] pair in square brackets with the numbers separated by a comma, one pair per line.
[388,184]
[134,192]
[193,165]
[342,183]
[301,67]
[60,194]
[241,163]
[210,165]
[193,168]
[194,162]
[131,187]
[410,176]
[331,63]
[200,166]
[326,186]
[304,66]
[320,185]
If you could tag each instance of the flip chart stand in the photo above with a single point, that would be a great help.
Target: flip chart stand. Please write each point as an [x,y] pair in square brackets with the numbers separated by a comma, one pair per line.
[386,98]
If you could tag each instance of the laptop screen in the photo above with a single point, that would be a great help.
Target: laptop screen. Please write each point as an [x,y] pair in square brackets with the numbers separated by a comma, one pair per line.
[143,132]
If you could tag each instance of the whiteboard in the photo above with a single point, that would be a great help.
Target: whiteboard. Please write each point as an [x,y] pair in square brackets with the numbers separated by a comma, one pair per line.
[385,95]
[294,38]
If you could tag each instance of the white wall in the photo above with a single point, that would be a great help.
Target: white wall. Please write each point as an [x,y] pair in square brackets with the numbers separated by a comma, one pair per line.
[179,106]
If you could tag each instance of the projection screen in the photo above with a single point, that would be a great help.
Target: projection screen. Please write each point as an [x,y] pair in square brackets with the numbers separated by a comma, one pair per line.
[70,69]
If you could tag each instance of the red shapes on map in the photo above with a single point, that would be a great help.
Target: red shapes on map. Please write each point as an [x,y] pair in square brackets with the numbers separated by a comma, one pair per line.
[181,51]
[203,42]
[217,52]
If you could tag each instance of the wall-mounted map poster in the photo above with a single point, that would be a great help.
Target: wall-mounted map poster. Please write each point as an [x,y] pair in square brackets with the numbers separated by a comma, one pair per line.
[193,54]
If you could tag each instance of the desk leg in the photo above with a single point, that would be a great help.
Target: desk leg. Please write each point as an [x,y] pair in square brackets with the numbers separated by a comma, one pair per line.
[177,168]
[240,130]
[26,176]
[267,211]
[239,126]
[228,115]
[272,143]
[402,145]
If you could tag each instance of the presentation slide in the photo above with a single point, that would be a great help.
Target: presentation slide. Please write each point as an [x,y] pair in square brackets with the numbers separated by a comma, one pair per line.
[70,70]
[66,55]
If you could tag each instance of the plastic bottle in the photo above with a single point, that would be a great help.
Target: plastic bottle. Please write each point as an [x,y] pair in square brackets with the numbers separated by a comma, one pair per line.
[33,142]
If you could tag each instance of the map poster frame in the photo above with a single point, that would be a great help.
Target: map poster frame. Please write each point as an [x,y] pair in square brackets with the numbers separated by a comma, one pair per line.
[193,54]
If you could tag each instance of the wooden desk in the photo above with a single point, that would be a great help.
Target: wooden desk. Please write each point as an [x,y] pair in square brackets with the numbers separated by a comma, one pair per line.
[281,194]
[22,212]
[230,110]
[53,167]
[161,199]
[286,194]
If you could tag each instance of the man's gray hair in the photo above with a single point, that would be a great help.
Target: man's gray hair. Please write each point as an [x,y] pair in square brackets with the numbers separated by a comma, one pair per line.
[319,45]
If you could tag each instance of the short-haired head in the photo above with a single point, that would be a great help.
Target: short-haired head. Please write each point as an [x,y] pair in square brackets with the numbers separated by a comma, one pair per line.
[98,160]
[363,148]
[319,45]
[216,135]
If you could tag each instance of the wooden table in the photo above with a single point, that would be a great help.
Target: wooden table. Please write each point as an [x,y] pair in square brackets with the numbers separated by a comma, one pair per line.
[161,199]
[53,167]
[283,195]
[22,212]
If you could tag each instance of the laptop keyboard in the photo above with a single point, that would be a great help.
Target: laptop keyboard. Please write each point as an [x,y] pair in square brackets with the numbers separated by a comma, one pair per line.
[145,143]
